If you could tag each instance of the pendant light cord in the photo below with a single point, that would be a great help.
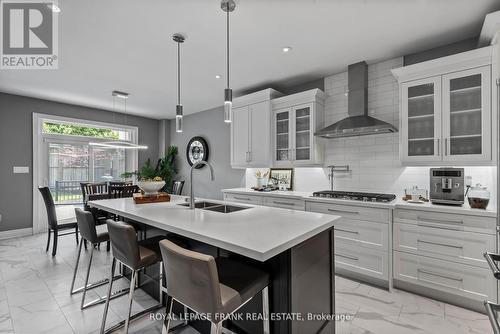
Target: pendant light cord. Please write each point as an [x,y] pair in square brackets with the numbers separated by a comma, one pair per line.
[178,73]
[227,40]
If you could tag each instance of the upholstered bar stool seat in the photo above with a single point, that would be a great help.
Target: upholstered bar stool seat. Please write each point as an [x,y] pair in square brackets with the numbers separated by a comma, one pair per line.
[211,286]
[135,255]
[239,282]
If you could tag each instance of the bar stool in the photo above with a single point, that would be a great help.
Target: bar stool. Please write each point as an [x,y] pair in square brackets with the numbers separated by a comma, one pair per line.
[492,308]
[215,287]
[88,232]
[135,256]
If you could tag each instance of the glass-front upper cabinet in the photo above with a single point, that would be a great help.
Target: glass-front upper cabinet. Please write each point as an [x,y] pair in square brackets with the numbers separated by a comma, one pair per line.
[283,139]
[302,132]
[421,119]
[466,115]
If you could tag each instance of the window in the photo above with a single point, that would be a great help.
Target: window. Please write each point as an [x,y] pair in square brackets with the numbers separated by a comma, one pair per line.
[70,159]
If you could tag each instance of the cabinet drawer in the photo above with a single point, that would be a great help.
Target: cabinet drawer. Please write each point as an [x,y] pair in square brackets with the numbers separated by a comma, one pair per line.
[460,246]
[459,279]
[349,255]
[450,221]
[367,234]
[286,203]
[243,198]
[350,211]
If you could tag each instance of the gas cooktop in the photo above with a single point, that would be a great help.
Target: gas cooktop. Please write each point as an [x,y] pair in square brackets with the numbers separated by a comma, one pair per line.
[355,196]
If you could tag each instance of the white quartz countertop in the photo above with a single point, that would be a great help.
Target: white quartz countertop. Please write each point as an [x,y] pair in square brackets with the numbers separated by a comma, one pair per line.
[397,203]
[258,232]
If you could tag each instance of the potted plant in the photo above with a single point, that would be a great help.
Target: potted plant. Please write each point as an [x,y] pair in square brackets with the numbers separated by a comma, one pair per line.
[153,179]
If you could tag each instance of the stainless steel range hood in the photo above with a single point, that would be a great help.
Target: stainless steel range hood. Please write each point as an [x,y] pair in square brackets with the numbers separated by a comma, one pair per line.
[358,123]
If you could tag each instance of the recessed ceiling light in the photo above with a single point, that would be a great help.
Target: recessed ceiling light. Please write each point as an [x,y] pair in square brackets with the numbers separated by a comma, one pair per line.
[54,8]
[287,49]
[217,76]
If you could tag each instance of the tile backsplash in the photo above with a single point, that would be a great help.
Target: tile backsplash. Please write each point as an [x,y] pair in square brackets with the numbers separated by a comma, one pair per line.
[373,160]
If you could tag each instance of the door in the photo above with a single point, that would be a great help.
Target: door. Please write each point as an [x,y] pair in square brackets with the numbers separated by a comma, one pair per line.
[467,115]
[283,136]
[259,155]
[240,137]
[302,134]
[421,120]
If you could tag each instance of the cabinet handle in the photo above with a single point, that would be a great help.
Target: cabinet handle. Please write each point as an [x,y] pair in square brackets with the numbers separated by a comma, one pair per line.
[438,146]
[458,279]
[348,256]
[242,198]
[347,231]
[246,156]
[283,203]
[446,146]
[439,244]
[440,221]
[344,211]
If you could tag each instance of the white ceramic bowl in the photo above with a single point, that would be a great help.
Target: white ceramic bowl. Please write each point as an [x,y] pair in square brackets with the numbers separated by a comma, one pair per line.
[150,187]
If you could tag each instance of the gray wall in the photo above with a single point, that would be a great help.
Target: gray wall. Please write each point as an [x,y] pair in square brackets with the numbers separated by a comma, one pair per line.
[210,125]
[16,149]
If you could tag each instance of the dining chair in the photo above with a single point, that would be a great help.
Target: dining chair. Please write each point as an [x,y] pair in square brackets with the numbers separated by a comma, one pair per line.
[90,188]
[123,191]
[53,225]
[96,191]
[177,187]
[119,183]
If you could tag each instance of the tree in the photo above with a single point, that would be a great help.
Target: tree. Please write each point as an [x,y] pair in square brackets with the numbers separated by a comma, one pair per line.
[76,130]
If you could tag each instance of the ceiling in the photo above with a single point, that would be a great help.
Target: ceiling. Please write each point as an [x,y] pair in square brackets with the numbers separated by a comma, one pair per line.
[126,45]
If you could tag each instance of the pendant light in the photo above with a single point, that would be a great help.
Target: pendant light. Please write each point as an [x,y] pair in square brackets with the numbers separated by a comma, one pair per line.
[178,38]
[119,144]
[228,6]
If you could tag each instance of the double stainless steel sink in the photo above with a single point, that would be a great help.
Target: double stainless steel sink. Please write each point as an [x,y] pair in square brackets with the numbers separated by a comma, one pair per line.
[217,207]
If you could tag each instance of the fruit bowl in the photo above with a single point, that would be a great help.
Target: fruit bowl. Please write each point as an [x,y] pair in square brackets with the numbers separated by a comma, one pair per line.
[150,187]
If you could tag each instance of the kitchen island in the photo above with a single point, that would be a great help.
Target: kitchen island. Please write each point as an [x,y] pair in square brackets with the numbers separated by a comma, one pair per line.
[296,247]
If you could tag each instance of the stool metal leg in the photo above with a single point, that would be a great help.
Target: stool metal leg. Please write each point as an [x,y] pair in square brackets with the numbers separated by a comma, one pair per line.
[168,315]
[76,266]
[265,310]
[87,277]
[108,297]
[130,298]
[216,328]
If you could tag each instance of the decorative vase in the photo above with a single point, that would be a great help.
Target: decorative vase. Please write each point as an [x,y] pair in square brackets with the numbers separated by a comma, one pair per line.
[261,182]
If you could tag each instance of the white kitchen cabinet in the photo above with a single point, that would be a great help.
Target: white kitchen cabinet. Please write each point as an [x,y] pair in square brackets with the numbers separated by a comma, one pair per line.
[421,120]
[444,252]
[251,130]
[295,119]
[467,115]
[472,285]
[362,240]
[446,110]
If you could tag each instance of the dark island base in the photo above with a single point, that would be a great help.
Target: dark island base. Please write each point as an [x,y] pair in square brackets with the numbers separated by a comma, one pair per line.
[303,283]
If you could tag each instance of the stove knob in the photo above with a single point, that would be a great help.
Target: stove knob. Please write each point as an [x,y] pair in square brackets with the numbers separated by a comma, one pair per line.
[365,199]
[374,199]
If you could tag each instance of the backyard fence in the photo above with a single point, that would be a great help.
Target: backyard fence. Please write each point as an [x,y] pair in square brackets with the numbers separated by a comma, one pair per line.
[67,192]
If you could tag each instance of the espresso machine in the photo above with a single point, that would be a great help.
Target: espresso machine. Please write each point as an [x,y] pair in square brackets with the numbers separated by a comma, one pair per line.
[447,185]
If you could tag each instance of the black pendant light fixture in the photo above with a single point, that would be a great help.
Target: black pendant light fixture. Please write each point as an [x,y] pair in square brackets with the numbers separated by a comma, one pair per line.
[178,38]
[228,6]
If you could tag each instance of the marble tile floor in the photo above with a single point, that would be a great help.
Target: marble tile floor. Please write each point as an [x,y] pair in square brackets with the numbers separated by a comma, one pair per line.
[34,298]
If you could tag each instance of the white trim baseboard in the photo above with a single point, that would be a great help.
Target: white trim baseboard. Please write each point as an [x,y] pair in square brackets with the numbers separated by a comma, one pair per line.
[20,232]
